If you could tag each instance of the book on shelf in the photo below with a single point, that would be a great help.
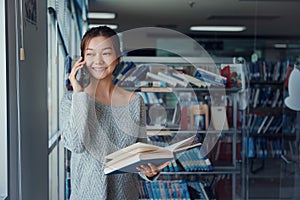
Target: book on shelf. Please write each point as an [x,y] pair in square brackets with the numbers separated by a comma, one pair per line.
[150,84]
[192,80]
[276,98]
[199,117]
[257,123]
[127,159]
[122,73]
[174,79]
[235,75]
[194,160]
[157,77]
[262,124]
[135,74]
[268,124]
[210,77]
[256,98]
[219,117]
[168,189]
[198,190]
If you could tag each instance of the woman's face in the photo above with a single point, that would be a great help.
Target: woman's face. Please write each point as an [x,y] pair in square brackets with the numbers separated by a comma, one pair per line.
[100,57]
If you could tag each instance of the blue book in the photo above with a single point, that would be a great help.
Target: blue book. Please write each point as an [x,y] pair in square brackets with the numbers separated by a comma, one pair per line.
[174,189]
[208,76]
[165,184]
[251,148]
[149,189]
[136,74]
[121,75]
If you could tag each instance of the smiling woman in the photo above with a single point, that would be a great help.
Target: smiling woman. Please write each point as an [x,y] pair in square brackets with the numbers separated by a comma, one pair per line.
[100,119]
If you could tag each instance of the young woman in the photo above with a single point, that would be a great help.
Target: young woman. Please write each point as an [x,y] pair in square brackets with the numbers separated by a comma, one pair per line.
[100,119]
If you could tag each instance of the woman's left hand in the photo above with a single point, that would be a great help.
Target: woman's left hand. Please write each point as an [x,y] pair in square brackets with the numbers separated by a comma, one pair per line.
[151,170]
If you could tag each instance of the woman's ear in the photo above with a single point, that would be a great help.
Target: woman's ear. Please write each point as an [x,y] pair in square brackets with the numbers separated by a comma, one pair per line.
[118,60]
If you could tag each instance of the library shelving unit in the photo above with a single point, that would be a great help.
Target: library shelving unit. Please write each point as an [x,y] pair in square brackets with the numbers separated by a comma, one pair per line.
[270,128]
[222,175]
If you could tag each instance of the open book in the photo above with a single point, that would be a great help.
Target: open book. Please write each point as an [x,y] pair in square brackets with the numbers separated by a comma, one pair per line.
[127,159]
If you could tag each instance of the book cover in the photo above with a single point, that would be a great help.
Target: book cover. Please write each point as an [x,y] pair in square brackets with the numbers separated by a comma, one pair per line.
[173,79]
[127,159]
[262,125]
[138,84]
[192,80]
[237,75]
[208,76]
[219,117]
[199,117]
[138,73]
[160,78]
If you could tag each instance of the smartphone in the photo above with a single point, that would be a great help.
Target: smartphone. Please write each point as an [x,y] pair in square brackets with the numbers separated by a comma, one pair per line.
[83,76]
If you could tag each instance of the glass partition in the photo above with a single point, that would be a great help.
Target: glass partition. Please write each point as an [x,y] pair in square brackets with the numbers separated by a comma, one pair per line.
[3,106]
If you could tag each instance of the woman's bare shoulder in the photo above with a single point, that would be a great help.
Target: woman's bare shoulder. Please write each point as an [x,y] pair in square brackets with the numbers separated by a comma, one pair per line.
[125,96]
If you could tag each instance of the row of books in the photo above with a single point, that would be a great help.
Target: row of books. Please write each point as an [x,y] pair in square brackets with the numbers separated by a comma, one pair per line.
[190,160]
[265,124]
[262,147]
[175,190]
[268,71]
[186,115]
[127,74]
[194,160]
[289,124]
[265,97]
[196,116]
[270,124]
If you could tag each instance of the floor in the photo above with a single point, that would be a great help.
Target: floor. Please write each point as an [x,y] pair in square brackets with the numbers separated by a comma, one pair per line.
[274,179]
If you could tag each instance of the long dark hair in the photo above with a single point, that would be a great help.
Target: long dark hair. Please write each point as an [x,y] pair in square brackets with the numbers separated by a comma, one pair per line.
[101,31]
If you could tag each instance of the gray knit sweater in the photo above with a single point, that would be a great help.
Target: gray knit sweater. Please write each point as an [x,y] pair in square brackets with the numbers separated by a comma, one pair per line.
[91,130]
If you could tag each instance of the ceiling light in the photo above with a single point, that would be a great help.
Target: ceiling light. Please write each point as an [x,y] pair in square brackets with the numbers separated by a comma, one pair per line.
[218,28]
[101,15]
[280,46]
[112,26]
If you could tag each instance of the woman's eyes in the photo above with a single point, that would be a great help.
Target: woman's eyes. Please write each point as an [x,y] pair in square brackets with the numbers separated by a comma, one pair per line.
[90,54]
[106,53]
[103,53]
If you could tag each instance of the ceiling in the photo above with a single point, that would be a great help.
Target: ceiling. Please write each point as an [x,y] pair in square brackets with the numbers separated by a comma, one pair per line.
[262,18]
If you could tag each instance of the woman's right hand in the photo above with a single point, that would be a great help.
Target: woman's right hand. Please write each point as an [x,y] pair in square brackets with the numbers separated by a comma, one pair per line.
[72,76]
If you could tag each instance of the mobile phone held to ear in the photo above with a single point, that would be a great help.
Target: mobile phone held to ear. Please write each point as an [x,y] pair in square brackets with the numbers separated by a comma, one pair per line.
[83,76]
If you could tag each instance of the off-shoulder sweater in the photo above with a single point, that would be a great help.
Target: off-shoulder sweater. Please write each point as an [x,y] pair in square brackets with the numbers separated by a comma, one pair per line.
[91,130]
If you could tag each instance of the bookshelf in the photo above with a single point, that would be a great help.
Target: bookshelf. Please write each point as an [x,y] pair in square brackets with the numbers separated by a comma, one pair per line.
[223,146]
[271,126]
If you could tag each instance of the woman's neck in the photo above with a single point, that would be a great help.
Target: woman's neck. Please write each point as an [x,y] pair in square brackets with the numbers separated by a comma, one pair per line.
[101,90]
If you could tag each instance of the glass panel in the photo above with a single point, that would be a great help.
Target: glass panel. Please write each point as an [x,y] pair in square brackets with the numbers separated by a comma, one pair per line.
[53,174]
[3,106]
[55,190]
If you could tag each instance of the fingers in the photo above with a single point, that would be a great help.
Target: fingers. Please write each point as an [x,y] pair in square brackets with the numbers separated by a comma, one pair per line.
[146,169]
[72,76]
[78,64]
[164,165]
[151,170]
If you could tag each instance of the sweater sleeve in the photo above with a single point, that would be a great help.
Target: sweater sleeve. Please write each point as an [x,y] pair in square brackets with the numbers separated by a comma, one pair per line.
[74,114]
